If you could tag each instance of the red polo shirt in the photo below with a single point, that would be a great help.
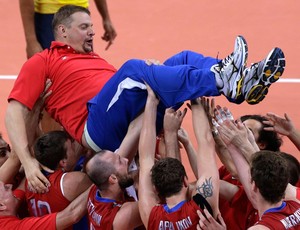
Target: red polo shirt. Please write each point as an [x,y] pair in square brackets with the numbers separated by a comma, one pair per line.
[76,78]
[47,222]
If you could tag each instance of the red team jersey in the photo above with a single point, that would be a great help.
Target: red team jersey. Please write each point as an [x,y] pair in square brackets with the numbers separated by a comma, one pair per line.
[32,223]
[238,214]
[285,217]
[101,211]
[40,204]
[73,84]
[182,216]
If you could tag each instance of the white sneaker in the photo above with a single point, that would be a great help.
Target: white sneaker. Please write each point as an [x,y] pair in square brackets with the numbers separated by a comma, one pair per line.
[230,70]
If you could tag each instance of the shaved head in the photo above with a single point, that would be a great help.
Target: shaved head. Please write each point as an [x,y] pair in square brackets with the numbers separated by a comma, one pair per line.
[99,169]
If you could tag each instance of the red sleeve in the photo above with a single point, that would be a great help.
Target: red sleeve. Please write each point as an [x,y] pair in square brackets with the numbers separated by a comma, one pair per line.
[19,194]
[47,222]
[31,81]
[298,184]
[223,172]
[298,194]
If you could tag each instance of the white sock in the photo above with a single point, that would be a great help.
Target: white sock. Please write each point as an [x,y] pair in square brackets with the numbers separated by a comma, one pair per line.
[219,80]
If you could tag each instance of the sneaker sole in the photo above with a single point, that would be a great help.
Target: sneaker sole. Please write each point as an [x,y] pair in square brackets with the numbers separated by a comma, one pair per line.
[272,70]
[245,48]
[239,97]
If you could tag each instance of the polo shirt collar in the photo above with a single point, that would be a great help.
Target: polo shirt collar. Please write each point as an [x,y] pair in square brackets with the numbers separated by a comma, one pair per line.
[56,44]
[66,47]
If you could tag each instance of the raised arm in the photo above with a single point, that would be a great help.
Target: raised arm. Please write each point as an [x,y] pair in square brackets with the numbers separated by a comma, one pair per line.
[185,140]
[241,149]
[212,112]
[27,15]
[147,196]
[129,145]
[172,122]
[109,30]
[21,125]
[235,133]
[243,170]
[223,153]
[291,193]
[16,115]
[227,190]
[208,175]
[73,212]
[10,168]
[75,183]
[128,217]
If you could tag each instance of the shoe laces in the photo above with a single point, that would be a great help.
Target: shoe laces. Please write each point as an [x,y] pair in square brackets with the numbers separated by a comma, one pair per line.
[227,60]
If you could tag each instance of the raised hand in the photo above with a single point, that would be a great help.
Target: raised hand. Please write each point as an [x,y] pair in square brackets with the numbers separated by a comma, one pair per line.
[231,132]
[173,119]
[281,125]
[37,182]
[209,107]
[207,222]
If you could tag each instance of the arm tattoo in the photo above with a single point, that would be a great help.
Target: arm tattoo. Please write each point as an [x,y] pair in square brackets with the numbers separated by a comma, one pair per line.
[206,189]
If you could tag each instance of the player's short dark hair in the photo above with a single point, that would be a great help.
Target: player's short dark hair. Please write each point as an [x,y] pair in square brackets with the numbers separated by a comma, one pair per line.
[167,175]
[293,168]
[269,171]
[50,148]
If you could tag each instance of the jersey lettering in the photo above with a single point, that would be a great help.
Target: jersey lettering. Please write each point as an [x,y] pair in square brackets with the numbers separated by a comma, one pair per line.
[43,207]
[40,208]
[166,225]
[92,226]
[33,207]
[183,224]
[291,220]
[91,211]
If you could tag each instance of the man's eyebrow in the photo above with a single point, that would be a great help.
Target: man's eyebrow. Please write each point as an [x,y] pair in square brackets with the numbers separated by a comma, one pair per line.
[86,24]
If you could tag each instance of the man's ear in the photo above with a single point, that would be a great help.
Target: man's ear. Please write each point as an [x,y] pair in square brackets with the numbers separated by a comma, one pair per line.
[261,145]
[112,179]
[61,31]
[2,206]
[254,187]
[186,182]
[63,163]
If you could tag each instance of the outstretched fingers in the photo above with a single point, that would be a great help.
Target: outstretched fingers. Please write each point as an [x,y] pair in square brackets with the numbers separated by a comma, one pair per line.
[36,180]
[207,222]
